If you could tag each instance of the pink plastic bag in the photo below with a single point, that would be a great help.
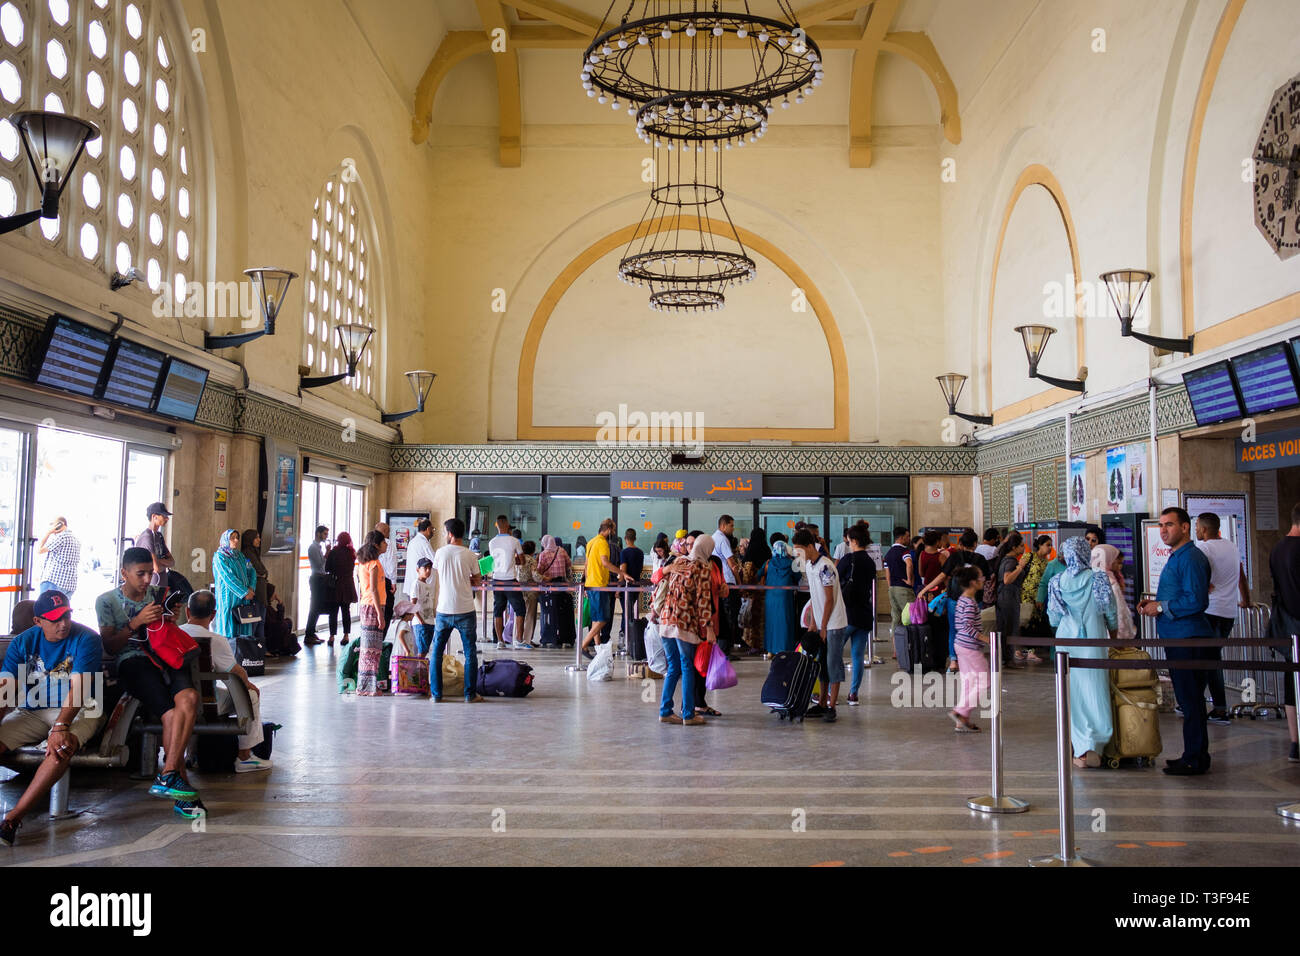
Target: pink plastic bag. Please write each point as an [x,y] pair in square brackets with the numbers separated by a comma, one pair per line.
[721,674]
[918,611]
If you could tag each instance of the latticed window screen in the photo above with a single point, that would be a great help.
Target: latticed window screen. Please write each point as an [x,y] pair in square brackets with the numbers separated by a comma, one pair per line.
[132,199]
[338,277]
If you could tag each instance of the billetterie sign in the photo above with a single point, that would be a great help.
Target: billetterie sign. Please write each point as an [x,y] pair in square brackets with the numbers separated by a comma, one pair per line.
[720,485]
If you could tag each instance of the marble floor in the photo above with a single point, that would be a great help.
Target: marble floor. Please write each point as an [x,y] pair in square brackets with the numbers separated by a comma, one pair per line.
[583,773]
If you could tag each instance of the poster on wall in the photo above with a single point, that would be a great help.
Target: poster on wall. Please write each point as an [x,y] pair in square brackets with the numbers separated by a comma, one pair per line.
[1020,502]
[1232,509]
[1157,556]
[1135,468]
[1116,481]
[401,528]
[282,496]
[1078,489]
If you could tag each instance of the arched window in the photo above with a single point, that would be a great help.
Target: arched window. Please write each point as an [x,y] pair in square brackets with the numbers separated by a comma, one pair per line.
[131,201]
[338,284]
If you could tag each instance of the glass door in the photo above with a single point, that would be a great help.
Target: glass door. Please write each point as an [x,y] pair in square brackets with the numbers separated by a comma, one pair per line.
[339,507]
[145,471]
[14,549]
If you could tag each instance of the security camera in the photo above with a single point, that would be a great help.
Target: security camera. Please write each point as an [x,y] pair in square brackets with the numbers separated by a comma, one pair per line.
[120,281]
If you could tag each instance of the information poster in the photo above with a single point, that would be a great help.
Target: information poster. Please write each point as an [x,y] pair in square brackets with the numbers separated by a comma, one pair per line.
[401,528]
[1020,502]
[1116,481]
[1266,506]
[1231,509]
[1078,489]
[1157,556]
[284,499]
[1135,467]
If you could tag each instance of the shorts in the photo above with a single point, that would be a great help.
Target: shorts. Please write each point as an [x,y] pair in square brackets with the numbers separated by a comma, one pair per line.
[512,597]
[144,681]
[600,604]
[21,728]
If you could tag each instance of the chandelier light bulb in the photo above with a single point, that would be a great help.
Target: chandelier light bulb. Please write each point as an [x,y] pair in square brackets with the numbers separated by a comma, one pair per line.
[785,103]
[763,37]
[717,148]
[591,93]
[817,81]
[602,99]
[584,76]
[690,30]
[607,49]
[587,85]
[631,111]
[622,44]
[799,98]
[667,34]
[799,48]
[782,42]
[594,58]
[717,31]
[643,40]
[742,33]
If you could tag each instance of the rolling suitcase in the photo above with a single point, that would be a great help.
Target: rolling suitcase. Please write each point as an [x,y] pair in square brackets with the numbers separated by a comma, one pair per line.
[789,684]
[917,639]
[636,639]
[556,611]
[1136,719]
[902,650]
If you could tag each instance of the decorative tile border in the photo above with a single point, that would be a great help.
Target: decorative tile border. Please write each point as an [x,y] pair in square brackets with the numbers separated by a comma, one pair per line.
[585,457]
[1045,492]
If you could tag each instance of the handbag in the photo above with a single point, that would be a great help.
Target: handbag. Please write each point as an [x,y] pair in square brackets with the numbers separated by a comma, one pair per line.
[247,613]
[918,612]
[171,645]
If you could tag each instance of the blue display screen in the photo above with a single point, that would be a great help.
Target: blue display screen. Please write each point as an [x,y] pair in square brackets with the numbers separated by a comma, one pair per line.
[134,376]
[182,390]
[1265,379]
[1212,394]
[74,358]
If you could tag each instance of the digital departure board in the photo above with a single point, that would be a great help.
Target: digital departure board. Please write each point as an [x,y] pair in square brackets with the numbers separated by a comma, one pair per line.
[182,389]
[1212,393]
[74,356]
[1265,379]
[133,375]
[1124,541]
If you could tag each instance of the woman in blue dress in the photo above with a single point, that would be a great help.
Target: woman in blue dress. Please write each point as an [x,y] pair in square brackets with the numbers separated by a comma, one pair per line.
[778,606]
[236,583]
[1081,604]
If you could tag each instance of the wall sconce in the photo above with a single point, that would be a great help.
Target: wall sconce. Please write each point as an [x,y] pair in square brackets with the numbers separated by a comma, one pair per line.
[421,381]
[353,338]
[951,383]
[1035,338]
[272,286]
[53,143]
[1126,288]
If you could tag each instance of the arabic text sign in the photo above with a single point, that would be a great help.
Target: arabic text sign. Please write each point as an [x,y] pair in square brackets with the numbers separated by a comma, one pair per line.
[720,485]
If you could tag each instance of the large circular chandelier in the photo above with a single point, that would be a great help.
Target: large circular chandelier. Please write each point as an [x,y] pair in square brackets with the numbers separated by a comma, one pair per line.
[686,249]
[691,72]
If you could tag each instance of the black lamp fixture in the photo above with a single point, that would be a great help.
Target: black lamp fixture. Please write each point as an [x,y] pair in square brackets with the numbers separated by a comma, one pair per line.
[353,338]
[272,286]
[53,143]
[952,383]
[1035,338]
[421,381]
[1126,288]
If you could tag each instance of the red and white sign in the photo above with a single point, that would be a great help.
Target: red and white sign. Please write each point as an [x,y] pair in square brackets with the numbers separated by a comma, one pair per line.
[936,493]
[223,453]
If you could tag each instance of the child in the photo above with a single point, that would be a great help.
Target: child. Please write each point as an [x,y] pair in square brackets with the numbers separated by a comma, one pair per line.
[426,605]
[401,637]
[970,655]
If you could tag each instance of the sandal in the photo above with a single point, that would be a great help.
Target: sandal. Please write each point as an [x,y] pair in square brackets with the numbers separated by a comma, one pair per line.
[952,665]
[1020,657]
[709,711]
[1033,658]
[963,724]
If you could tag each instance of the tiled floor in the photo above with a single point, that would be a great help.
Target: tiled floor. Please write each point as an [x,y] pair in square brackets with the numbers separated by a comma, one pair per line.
[582,773]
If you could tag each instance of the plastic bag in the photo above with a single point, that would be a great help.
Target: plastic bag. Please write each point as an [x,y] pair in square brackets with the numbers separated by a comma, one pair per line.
[656,655]
[703,651]
[721,674]
[602,666]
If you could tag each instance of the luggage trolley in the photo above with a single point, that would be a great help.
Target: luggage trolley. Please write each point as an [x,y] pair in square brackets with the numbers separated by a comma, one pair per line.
[1254,622]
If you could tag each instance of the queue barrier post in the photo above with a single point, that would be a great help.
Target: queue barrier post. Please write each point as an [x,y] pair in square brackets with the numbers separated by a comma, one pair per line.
[1291,810]
[997,801]
[1064,782]
[578,663]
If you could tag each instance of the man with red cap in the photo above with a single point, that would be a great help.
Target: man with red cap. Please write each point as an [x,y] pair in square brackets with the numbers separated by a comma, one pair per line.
[50,671]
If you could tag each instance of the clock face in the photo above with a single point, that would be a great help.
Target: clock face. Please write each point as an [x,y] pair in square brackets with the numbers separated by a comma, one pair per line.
[1277,171]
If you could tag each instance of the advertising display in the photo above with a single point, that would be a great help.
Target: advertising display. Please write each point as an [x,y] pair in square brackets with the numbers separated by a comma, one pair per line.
[401,528]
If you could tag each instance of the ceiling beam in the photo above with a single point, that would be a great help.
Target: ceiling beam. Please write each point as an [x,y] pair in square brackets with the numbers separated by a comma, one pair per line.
[862,82]
[577,21]
[919,48]
[456,46]
[510,118]
[825,10]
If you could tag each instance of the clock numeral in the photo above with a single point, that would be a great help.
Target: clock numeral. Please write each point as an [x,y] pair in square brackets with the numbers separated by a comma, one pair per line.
[1293,101]
[1277,123]
[1268,214]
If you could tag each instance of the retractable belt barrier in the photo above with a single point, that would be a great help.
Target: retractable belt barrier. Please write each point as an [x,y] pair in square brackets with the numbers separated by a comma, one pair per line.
[1064,783]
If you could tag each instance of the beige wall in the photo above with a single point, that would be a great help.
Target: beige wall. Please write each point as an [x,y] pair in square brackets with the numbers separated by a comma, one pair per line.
[957,510]
[423,491]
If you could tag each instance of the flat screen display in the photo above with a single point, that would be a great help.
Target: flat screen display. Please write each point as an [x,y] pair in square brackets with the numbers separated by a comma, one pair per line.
[1265,380]
[1214,399]
[1125,542]
[182,390]
[133,375]
[74,358]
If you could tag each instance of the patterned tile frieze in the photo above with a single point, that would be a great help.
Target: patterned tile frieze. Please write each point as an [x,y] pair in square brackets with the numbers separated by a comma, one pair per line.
[588,457]
[217,408]
[1045,492]
[1045,442]
[1000,496]
[19,337]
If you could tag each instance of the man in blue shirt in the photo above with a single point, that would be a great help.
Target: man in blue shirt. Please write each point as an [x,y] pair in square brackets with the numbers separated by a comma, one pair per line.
[1179,610]
[50,670]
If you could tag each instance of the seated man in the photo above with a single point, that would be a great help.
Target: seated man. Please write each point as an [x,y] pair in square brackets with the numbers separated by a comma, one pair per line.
[165,694]
[50,670]
[202,609]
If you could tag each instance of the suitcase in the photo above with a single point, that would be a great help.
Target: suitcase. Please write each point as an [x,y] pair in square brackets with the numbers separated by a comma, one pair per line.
[636,639]
[918,647]
[902,649]
[937,645]
[1136,717]
[789,684]
[1130,679]
[505,678]
[556,611]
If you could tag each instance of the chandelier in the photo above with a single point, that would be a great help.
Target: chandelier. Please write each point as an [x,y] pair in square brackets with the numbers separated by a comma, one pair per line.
[686,249]
[669,69]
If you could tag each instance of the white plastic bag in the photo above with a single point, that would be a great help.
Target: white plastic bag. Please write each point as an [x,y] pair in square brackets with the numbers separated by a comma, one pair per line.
[602,666]
[656,657]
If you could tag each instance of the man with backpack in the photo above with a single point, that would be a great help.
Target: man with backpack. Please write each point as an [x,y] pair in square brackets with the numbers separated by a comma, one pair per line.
[857,579]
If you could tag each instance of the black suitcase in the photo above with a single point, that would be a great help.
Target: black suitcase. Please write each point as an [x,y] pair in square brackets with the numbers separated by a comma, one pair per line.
[556,611]
[918,647]
[789,684]
[636,639]
[937,656]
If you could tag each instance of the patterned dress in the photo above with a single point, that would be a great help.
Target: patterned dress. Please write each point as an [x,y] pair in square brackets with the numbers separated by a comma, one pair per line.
[372,633]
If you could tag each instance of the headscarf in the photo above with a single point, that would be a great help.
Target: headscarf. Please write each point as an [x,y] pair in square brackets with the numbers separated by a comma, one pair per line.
[702,550]
[780,549]
[254,554]
[1077,553]
[759,550]
[1103,556]
[344,541]
[548,542]
[225,548]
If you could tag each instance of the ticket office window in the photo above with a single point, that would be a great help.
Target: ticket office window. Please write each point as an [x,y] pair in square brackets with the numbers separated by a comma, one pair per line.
[649,517]
[704,515]
[523,512]
[570,517]
[883,514]
[782,514]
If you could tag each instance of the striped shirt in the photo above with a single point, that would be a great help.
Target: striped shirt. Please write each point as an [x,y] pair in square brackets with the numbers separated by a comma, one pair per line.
[968,623]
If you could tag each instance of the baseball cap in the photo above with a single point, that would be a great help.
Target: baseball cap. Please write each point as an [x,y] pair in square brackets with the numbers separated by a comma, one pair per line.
[424,563]
[681,533]
[51,605]
[157,508]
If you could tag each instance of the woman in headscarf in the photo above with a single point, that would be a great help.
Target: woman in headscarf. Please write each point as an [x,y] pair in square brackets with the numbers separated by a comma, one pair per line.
[553,568]
[779,621]
[236,584]
[687,619]
[1107,558]
[251,546]
[757,555]
[339,564]
[1081,604]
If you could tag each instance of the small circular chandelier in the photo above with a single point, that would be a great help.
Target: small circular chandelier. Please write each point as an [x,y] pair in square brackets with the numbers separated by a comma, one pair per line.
[668,69]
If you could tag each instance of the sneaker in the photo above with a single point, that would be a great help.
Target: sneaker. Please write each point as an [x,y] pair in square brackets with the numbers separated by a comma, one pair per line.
[1178,710]
[1294,755]
[670,719]
[1219,716]
[829,717]
[853,700]
[502,646]
[436,700]
[816,710]
[695,722]
[8,830]
[190,809]
[251,764]
[172,786]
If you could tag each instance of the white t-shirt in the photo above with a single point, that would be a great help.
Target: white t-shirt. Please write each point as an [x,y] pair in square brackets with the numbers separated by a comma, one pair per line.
[1225,565]
[398,632]
[223,658]
[987,551]
[722,548]
[503,549]
[426,598]
[819,575]
[455,566]
[841,550]
[388,560]
[418,547]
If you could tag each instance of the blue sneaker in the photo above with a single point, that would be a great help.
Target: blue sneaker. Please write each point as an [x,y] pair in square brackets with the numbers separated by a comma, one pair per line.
[172,786]
[190,809]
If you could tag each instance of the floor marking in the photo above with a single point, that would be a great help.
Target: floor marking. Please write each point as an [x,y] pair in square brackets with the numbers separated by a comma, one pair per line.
[1129,846]
[829,863]
[156,839]
[900,853]
[971,859]
[933,849]
[999,855]
[1165,843]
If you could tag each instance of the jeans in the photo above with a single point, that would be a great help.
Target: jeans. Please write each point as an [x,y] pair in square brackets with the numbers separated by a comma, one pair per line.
[681,667]
[859,647]
[423,638]
[835,640]
[442,628]
[51,586]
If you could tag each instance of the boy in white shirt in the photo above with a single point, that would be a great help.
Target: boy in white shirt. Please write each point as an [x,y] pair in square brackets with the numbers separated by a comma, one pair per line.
[426,604]
[829,621]
[507,554]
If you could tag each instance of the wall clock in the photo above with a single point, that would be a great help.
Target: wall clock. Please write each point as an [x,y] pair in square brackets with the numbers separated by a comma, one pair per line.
[1277,171]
